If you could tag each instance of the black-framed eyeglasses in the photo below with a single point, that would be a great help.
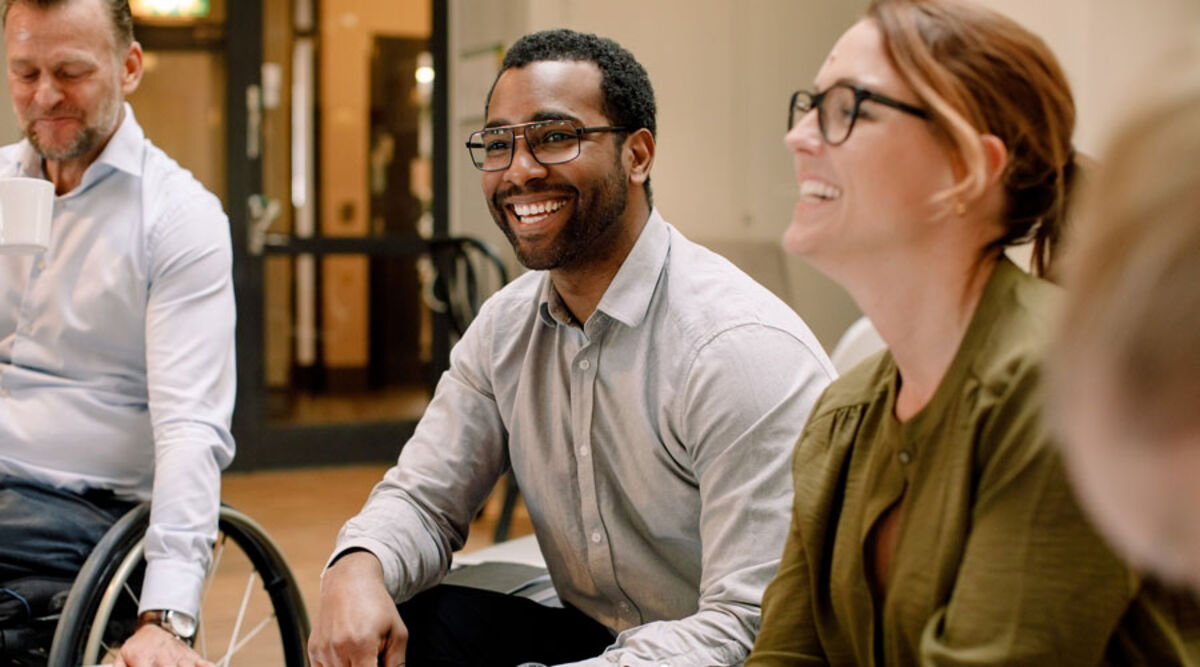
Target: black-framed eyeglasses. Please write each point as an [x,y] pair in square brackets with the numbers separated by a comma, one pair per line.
[550,142]
[838,107]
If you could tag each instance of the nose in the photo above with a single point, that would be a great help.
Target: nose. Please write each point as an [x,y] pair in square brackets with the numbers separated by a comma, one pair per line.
[47,94]
[524,167]
[805,135]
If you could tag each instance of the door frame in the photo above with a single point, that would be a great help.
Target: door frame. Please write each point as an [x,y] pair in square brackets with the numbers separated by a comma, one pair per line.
[262,444]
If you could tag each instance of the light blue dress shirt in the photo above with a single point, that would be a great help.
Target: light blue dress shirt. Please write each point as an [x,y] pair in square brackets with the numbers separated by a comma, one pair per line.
[116,351]
[652,446]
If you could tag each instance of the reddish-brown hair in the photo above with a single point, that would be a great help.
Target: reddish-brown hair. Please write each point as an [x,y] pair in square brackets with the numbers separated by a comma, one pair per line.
[980,72]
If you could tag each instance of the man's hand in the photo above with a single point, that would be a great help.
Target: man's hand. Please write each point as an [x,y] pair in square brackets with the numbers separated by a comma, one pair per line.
[358,625]
[152,646]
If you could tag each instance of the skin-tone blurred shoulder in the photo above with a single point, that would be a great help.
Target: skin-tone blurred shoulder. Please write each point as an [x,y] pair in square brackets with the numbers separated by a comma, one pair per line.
[1126,371]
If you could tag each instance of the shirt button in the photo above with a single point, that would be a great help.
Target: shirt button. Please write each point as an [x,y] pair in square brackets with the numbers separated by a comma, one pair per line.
[585,364]
[584,451]
[596,536]
[41,265]
[905,457]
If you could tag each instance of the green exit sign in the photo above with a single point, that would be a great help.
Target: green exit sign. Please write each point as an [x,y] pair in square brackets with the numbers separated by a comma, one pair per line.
[172,8]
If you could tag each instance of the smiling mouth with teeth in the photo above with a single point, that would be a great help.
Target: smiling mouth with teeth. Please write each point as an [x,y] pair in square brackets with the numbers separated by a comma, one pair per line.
[819,191]
[528,214]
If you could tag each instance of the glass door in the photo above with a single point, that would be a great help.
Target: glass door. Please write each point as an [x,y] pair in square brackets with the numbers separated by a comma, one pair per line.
[335,179]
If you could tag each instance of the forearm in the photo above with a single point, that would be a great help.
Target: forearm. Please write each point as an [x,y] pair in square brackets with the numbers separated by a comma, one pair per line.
[412,557]
[191,380]
[183,517]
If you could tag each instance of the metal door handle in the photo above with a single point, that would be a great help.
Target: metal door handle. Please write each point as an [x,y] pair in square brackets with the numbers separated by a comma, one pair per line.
[263,211]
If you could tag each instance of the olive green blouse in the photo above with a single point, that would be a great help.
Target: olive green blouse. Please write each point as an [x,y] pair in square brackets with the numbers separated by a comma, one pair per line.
[994,563]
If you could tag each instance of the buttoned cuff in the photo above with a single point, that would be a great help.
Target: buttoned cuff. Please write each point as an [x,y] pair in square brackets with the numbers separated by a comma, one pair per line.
[172,585]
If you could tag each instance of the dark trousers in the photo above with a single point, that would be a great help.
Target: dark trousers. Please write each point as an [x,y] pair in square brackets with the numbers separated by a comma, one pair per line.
[454,625]
[48,532]
[45,536]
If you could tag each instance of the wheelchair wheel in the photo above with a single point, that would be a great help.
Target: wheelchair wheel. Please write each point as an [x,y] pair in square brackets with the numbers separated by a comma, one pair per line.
[251,612]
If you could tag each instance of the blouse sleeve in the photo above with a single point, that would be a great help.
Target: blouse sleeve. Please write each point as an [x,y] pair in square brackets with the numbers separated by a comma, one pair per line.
[788,635]
[1036,584]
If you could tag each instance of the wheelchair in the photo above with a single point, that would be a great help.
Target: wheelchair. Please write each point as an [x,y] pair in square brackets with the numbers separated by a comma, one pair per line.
[251,612]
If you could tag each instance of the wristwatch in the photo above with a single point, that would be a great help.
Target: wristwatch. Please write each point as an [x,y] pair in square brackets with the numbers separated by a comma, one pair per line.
[175,622]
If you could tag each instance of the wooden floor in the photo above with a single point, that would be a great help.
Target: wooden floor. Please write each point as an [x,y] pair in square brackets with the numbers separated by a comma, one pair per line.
[303,510]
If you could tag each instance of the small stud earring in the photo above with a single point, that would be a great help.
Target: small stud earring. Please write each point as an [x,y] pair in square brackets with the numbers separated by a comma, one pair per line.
[960,208]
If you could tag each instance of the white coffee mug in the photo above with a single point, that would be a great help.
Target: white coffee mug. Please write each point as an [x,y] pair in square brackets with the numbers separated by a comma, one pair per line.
[26,207]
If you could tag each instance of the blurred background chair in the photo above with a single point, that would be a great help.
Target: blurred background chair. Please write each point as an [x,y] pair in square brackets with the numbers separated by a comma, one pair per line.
[860,341]
[466,272]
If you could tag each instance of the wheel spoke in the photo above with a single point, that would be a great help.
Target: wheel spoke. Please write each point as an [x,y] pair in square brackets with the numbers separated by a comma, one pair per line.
[218,551]
[132,594]
[224,662]
[202,635]
[237,625]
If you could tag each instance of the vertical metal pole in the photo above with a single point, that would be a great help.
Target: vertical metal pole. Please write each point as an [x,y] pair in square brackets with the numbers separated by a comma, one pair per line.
[243,60]
[440,47]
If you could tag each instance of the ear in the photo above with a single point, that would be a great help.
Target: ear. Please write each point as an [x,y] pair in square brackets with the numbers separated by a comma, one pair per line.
[995,156]
[638,156]
[131,68]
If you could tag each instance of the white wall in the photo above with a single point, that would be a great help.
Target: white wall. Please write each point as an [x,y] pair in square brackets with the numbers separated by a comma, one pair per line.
[9,131]
[1108,49]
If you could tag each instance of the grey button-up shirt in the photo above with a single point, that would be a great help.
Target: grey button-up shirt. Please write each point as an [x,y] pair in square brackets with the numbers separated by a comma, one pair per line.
[652,446]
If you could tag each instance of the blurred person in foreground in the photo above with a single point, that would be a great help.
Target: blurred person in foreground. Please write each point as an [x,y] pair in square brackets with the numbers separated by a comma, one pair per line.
[645,392]
[117,343]
[933,523]
[1126,367]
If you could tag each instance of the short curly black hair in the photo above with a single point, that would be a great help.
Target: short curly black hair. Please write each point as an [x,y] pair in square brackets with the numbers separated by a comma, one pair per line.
[628,95]
[625,86]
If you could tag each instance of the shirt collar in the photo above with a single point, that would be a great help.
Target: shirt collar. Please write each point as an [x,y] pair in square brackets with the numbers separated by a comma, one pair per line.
[122,152]
[627,298]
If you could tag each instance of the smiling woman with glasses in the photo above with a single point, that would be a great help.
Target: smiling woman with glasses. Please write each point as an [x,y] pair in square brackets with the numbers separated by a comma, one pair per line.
[838,107]
[932,521]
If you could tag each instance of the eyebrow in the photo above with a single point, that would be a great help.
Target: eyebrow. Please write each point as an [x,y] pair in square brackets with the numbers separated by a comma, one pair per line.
[846,80]
[58,64]
[537,117]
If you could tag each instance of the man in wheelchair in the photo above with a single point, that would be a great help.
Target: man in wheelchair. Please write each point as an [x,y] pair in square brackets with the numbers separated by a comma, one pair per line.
[116,343]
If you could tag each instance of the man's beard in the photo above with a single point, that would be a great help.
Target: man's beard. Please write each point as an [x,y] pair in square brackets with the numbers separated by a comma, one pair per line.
[87,138]
[80,145]
[585,235]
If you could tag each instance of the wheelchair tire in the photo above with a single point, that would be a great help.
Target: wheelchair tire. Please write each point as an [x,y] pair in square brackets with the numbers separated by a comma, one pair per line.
[90,602]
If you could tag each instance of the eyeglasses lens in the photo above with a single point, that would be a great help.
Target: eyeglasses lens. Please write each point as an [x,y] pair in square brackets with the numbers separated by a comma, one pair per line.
[551,142]
[837,113]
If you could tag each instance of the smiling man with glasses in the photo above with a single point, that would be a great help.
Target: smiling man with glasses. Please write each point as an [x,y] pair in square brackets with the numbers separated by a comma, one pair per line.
[645,392]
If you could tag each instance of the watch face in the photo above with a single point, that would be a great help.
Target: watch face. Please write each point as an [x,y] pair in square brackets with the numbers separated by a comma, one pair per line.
[180,623]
